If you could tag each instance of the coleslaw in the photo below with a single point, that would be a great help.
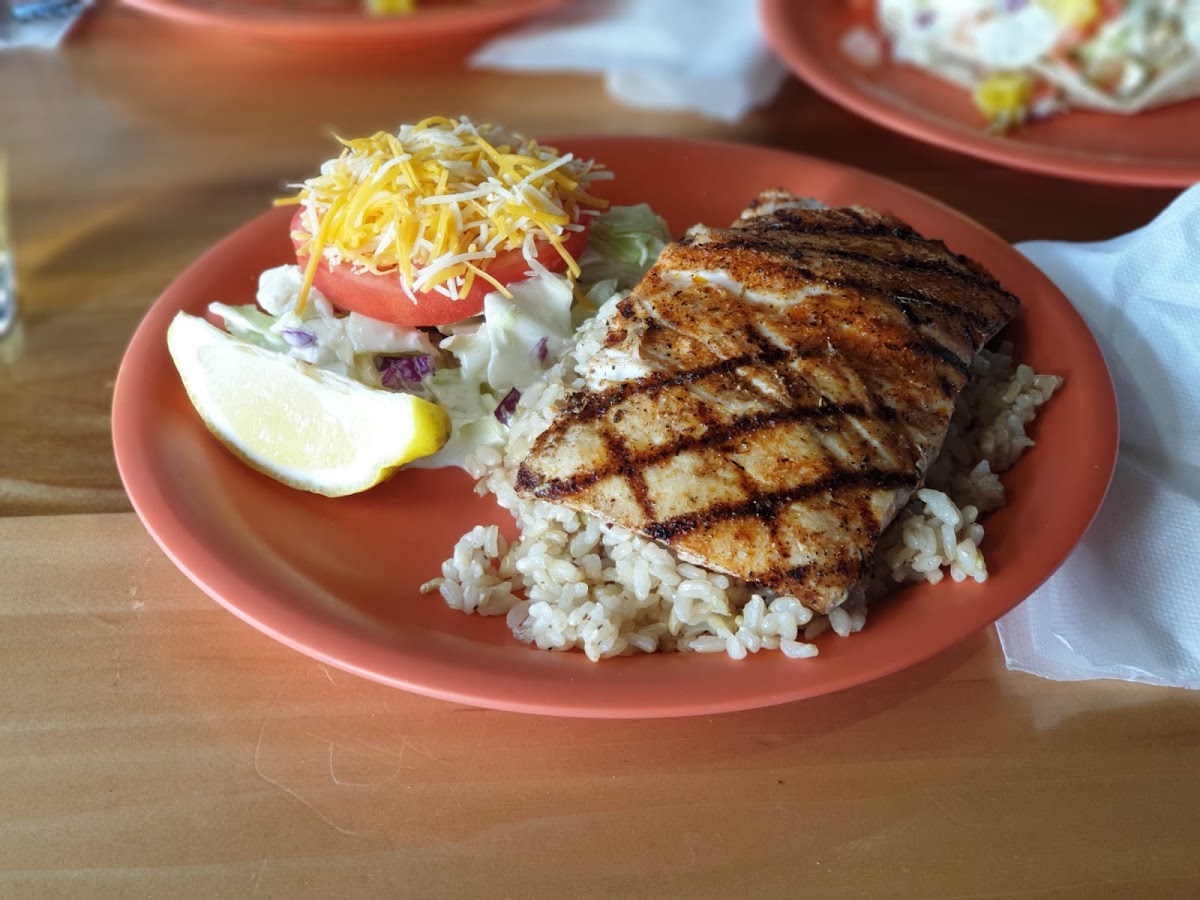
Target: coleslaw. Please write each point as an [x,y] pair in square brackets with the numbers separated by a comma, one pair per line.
[475,368]
[1026,59]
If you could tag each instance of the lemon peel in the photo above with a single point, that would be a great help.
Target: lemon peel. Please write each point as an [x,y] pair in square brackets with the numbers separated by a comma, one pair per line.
[307,427]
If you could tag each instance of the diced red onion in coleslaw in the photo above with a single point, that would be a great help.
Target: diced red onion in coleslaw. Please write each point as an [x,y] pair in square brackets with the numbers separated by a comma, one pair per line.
[400,372]
[298,337]
[507,406]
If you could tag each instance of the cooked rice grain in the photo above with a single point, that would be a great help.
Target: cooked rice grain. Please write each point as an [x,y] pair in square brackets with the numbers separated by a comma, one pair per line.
[571,581]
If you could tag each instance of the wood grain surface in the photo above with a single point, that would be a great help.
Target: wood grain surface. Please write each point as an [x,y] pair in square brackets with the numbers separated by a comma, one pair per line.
[153,745]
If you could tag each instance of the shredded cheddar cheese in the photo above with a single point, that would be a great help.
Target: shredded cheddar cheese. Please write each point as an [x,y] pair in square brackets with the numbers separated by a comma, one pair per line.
[1073,13]
[434,202]
[1004,97]
[389,7]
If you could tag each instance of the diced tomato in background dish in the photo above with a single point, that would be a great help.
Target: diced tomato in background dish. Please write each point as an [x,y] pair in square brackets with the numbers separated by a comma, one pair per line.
[381,296]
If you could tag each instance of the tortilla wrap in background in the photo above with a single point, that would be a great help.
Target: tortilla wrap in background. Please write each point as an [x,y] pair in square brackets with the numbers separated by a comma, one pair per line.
[1181,82]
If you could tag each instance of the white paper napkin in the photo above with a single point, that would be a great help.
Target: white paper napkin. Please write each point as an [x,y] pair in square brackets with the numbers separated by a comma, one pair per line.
[705,56]
[1126,604]
[38,23]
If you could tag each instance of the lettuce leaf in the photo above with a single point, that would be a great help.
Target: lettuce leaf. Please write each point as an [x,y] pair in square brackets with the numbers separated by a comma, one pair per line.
[623,243]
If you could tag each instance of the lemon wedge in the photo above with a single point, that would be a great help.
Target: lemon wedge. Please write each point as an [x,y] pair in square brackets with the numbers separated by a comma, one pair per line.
[306,427]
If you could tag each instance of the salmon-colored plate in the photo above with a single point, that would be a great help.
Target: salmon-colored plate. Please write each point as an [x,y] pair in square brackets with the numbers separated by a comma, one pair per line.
[339,579]
[1156,148]
[337,22]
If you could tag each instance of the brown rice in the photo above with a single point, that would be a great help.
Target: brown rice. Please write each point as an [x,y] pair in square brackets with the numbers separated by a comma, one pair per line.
[571,581]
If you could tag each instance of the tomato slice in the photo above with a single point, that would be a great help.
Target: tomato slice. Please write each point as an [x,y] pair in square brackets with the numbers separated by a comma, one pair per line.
[381,296]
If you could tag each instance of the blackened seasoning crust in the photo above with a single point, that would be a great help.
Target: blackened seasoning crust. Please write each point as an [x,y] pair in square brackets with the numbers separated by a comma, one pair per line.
[771,394]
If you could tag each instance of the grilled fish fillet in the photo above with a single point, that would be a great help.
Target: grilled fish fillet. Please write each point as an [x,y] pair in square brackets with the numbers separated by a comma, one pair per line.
[771,394]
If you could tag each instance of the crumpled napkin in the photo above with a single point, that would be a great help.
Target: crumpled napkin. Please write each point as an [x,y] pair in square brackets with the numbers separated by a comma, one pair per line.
[1126,604]
[705,56]
[38,23]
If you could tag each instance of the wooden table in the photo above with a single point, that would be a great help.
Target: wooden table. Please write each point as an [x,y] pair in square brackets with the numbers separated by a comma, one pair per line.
[154,745]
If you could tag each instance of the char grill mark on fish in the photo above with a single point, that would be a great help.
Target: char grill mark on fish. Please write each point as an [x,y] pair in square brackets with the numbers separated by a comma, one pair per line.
[715,437]
[770,395]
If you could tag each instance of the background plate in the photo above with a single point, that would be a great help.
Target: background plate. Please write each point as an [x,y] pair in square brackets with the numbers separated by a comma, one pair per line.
[345,23]
[338,579]
[1157,148]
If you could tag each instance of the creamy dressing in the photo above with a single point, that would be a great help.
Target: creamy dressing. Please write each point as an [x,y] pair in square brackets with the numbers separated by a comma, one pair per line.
[1123,58]
[474,369]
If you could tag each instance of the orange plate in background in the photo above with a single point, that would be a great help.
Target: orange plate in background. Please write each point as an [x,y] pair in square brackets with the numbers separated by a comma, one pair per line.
[1156,148]
[347,23]
[339,579]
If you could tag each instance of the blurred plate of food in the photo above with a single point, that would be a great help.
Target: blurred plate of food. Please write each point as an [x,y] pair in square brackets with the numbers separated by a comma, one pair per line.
[349,22]
[1106,92]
